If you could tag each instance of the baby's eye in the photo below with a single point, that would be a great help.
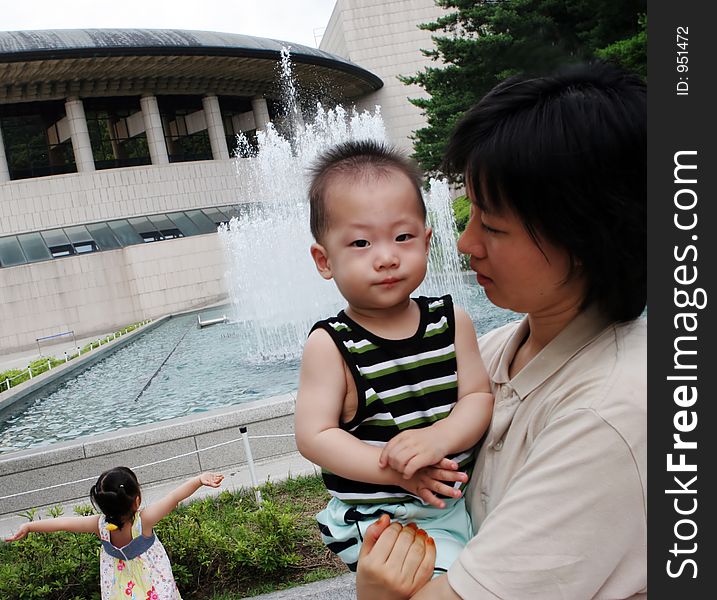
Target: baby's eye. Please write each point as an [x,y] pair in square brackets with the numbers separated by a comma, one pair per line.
[360,243]
[404,237]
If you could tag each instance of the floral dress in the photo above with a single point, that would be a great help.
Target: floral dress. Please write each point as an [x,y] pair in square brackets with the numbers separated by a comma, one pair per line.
[138,571]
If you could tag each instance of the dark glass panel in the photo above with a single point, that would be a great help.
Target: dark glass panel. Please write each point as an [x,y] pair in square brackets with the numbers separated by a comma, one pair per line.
[202,221]
[125,233]
[34,247]
[166,227]
[185,224]
[103,236]
[58,243]
[10,252]
[81,239]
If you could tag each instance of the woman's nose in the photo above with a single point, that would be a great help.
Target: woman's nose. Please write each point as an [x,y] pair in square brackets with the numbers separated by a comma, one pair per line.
[471,241]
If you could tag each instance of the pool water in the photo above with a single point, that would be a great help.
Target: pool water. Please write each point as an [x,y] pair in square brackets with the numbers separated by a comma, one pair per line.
[205,369]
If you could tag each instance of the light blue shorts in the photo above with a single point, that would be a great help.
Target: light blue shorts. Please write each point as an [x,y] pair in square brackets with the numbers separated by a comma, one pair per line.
[343,526]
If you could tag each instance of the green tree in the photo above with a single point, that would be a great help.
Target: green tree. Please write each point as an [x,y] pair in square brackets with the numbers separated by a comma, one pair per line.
[484,41]
[630,53]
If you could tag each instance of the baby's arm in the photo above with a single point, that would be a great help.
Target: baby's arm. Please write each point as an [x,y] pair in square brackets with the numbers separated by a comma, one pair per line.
[88,524]
[162,507]
[319,402]
[468,421]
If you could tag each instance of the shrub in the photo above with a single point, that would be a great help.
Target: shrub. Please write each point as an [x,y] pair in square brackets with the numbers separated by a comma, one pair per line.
[461,212]
[218,544]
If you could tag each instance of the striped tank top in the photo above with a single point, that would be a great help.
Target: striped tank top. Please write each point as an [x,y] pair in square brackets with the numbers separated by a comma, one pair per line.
[401,384]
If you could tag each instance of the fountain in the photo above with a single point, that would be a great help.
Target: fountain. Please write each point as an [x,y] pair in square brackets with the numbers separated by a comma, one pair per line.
[276,296]
[271,277]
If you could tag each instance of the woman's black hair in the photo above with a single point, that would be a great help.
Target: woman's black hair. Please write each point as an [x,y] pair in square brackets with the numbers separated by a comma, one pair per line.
[115,493]
[567,153]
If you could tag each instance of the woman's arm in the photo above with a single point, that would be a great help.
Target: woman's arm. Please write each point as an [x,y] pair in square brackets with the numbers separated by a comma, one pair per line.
[88,524]
[570,517]
[161,508]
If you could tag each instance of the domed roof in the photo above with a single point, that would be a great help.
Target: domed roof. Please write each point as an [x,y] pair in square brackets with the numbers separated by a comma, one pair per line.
[55,64]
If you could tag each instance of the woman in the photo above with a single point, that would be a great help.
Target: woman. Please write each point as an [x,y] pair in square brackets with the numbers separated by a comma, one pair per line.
[555,168]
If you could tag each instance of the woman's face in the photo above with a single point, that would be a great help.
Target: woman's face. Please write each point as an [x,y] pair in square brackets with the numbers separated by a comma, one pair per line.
[515,272]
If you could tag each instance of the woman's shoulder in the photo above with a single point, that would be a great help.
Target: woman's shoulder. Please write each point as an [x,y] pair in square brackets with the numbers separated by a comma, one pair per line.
[495,338]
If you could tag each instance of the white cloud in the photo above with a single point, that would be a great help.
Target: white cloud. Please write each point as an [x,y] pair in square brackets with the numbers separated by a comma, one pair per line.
[299,21]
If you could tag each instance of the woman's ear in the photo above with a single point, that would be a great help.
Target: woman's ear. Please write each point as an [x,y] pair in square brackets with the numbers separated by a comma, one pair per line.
[321,260]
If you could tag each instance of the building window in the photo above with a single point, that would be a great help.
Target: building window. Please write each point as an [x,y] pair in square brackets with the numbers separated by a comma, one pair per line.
[94,237]
[103,235]
[185,128]
[81,239]
[37,139]
[117,134]
[34,247]
[166,227]
[58,243]
[238,118]
[10,252]
[125,233]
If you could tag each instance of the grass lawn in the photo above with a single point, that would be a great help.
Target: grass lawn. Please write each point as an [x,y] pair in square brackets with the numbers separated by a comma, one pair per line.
[223,547]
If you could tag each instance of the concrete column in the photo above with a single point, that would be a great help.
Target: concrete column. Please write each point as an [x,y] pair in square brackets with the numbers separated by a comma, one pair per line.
[4,170]
[153,128]
[80,135]
[261,112]
[215,127]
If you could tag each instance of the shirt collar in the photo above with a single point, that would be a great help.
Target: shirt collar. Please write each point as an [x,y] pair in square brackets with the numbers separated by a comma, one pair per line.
[575,336]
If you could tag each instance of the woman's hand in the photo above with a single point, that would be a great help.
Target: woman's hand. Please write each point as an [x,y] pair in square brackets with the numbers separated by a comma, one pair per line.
[20,533]
[395,561]
[211,479]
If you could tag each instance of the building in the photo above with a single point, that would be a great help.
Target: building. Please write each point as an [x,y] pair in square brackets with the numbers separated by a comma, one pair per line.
[112,140]
[384,38]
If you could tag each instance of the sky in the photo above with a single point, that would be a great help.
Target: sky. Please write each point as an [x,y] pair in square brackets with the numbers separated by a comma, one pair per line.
[299,21]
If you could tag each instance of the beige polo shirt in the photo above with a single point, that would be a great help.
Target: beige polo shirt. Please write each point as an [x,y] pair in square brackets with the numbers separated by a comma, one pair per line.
[558,496]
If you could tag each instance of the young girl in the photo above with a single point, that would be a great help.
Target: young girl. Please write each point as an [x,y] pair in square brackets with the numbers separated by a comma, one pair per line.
[133,563]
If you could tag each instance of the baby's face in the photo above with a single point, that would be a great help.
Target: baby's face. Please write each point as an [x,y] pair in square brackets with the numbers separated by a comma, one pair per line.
[376,246]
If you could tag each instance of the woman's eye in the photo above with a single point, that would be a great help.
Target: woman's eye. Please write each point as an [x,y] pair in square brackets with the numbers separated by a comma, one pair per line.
[404,237]
[360,243]
[488,228]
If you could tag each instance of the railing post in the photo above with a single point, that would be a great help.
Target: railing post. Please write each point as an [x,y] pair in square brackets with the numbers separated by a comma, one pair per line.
[49,364]
[250,462]
[66,359]
[29,370]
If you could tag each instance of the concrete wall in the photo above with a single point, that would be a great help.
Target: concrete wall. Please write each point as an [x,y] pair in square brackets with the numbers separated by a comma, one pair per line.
[102,291]
[85,458]
[384,38]
[98,292]
[78,198]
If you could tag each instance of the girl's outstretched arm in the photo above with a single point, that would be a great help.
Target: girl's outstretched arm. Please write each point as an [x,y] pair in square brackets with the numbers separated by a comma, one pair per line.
[162,507]
[88,524]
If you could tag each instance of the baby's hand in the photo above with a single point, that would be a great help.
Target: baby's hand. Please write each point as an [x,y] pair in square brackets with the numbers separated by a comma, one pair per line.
[412,450]
[429,482]
[211,479]
[20,533]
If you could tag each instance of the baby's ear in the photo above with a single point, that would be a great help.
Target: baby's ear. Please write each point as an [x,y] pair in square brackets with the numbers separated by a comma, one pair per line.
[321,260]
[429,234]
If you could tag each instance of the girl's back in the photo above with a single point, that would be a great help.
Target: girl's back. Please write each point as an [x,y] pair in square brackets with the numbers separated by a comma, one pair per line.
[140,569]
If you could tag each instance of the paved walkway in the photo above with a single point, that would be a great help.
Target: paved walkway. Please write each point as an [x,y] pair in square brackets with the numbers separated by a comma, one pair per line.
[22,358]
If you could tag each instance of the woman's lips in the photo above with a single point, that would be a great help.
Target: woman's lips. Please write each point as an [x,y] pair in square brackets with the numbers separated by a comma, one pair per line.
[482,279]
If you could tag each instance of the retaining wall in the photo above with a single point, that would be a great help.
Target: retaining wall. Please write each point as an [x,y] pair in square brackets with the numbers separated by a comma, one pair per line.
[87,457]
